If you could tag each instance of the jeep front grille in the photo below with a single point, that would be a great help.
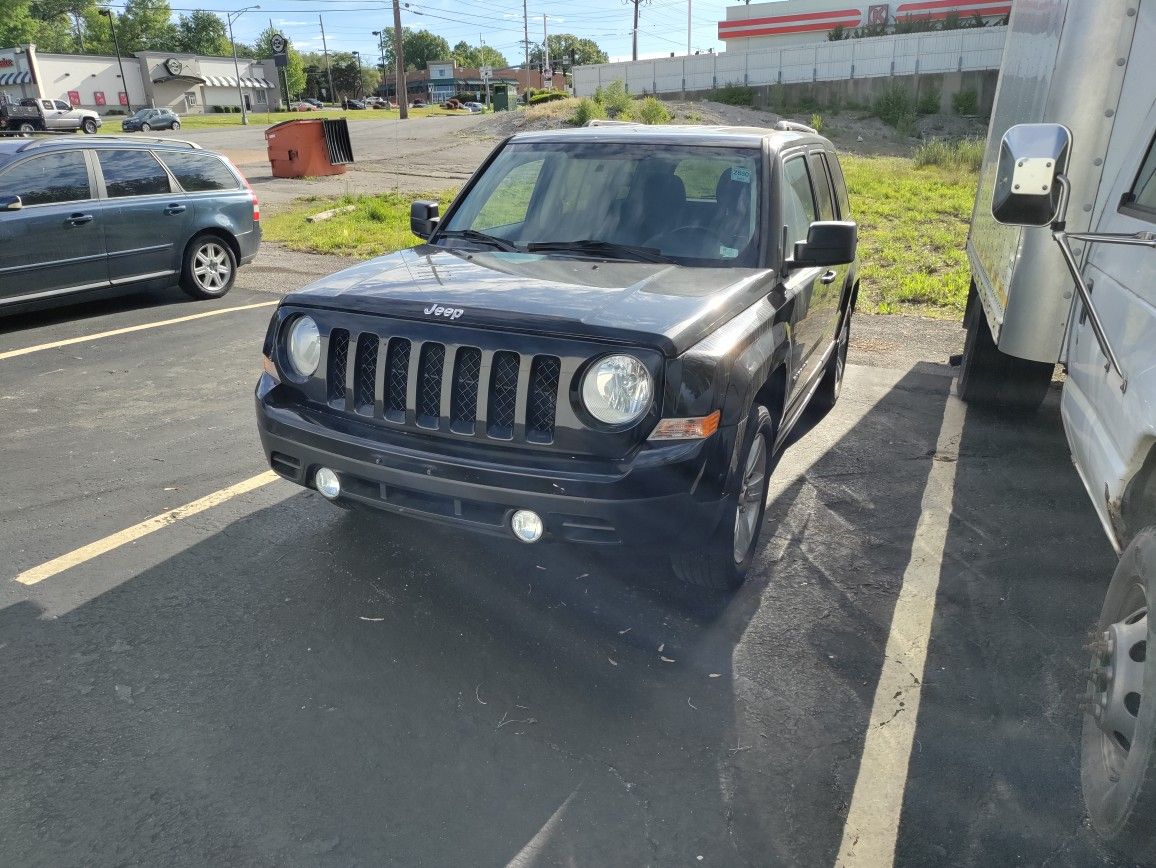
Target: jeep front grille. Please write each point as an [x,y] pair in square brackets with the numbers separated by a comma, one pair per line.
[498,394]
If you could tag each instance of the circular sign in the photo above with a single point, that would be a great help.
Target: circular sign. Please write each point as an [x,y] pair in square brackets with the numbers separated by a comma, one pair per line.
[174,66]
[278,43]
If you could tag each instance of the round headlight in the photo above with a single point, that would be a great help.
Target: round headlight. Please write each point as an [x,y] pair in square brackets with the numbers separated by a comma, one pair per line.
[304,346]
[617,390]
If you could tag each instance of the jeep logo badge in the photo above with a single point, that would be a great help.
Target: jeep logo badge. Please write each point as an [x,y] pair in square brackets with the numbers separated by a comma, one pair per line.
[447,312]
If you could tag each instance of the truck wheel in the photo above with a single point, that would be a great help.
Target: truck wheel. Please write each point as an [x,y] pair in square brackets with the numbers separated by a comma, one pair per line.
[722,564]
[27,129]
[89,126]
[1118,754]
[832,383]
[210,267]
[989,378]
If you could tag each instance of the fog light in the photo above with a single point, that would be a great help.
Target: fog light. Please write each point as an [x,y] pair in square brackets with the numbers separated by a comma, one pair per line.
[327,483]
[527,526]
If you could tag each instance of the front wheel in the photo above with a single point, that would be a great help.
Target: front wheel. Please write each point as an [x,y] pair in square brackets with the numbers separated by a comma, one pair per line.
[176,125]
[723,563]
[144,128]
[89,126]
[210,267]
[1118,752]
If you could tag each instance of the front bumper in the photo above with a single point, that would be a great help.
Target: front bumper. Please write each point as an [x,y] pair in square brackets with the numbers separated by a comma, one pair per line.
[669,497]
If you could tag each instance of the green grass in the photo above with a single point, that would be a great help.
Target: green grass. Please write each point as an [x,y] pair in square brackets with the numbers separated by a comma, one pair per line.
[379,225]
[912,228]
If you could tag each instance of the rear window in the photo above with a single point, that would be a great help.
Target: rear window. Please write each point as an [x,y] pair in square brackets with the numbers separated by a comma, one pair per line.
[132,173]
[197,172]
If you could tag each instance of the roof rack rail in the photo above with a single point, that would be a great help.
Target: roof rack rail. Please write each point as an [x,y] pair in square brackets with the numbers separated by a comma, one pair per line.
[609,123]
[792,127]
[41,138]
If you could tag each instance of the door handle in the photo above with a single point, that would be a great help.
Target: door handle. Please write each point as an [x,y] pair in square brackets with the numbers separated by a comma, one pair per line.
[829,277]
[79,219]
[175,209]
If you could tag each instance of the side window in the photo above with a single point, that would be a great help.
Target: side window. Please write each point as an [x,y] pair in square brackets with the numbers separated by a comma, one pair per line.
[840,187]
[61,177]
[510,200]
[132,173]
[822,187]
[798,203]
[47,104]
[197,172]
[1140,201]
[63,106]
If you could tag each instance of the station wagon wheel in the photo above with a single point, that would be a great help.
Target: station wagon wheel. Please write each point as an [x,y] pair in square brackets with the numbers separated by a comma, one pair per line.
[210,267]
[176,125]
[145,127]
[89,126]
[1118,754]
[723,562]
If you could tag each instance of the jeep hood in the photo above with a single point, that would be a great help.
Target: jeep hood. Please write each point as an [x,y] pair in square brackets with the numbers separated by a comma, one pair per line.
[668,307]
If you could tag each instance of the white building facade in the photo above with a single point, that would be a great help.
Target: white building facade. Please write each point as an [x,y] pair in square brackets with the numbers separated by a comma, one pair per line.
[185,83]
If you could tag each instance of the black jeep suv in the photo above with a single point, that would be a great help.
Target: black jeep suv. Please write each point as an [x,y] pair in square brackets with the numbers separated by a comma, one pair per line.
[605,340]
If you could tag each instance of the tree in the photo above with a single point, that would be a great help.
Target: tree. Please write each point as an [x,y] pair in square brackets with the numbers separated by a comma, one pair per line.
[470,57]
[294,70]
[586,51]
[203,33]
[146,25]
[420,47]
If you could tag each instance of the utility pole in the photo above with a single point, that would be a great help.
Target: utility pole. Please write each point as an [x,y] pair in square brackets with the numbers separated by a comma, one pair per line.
[634,31]
[546,54]
[688,4]
[399,64]
[380,34]
[328,71]
[526,46]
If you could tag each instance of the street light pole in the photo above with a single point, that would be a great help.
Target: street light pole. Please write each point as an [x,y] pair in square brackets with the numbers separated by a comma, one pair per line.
[381,48]
[231,16]
[357,54]
[111,16]
[399,64]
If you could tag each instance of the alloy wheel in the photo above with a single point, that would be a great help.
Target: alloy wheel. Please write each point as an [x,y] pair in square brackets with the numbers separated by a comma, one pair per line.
[751,500]
[212,267]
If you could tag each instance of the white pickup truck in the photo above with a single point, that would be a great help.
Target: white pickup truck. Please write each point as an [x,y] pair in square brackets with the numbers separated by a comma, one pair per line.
[34,114]
[1063,261]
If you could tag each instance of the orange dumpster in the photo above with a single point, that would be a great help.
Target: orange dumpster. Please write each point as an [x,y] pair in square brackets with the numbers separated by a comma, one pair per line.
[309,147]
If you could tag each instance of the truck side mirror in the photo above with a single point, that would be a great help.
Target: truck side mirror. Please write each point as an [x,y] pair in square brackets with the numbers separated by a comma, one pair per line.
[829,242]
[423,218]
[1031,156]
[11,203]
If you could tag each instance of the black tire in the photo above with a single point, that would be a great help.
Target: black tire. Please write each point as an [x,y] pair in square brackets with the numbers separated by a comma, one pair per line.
[176,125]
[1119,782]
[27,129]
[144,128]
[89,126]
[210,267]
[992,379]
[830,387]
[718,565]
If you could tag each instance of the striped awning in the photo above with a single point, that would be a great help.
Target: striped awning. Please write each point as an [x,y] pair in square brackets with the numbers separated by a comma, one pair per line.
[7,78]
[231,81]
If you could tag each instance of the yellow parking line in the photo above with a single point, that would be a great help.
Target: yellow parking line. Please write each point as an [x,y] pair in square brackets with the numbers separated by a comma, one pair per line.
[11,354]
[872,825]
[129,534]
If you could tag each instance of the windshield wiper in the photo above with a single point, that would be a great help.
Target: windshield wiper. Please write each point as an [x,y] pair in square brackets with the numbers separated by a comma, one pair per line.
[480,237]
[604,248]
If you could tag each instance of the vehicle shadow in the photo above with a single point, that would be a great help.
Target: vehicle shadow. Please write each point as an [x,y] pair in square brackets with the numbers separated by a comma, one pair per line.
[310,687]
[127,300]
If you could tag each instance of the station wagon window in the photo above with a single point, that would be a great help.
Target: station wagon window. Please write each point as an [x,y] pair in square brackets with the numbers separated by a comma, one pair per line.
[798,203]
[1141,199]
[197,172]
[822,187]
[132,173]
[43,180]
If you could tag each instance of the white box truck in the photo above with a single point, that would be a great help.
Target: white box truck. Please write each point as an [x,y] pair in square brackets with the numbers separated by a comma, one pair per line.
[1063,259]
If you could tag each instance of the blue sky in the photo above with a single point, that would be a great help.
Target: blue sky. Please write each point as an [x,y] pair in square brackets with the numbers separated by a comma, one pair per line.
[349,23]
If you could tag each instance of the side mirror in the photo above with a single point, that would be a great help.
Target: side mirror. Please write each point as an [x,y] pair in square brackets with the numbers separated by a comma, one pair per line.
[10,203]
[1031,157]
[829,242]
[423,218]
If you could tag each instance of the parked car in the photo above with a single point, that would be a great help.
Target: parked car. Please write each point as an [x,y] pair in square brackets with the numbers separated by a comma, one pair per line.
[475,106]
[303,106]
[352,104]
[316,103]
[620,367]
[417,103]
[80,216]
[53,115]
[151,119]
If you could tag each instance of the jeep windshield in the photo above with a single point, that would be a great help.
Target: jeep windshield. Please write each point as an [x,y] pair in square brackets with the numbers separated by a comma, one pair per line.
[686,204]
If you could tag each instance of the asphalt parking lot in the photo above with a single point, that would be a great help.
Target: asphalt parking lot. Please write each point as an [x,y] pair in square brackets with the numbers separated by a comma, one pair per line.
[265,680]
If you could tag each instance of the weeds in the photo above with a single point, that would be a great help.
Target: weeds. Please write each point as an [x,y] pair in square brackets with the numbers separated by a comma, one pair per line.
[586,111]
[896,107]
[650,111]
[817,122]
[928,103]
[966,102]
[963,154]
[614,99]
[734,94]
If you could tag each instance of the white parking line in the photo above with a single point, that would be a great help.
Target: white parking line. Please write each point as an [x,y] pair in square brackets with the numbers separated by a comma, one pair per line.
[11,354]
[872,825]
[130,534]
